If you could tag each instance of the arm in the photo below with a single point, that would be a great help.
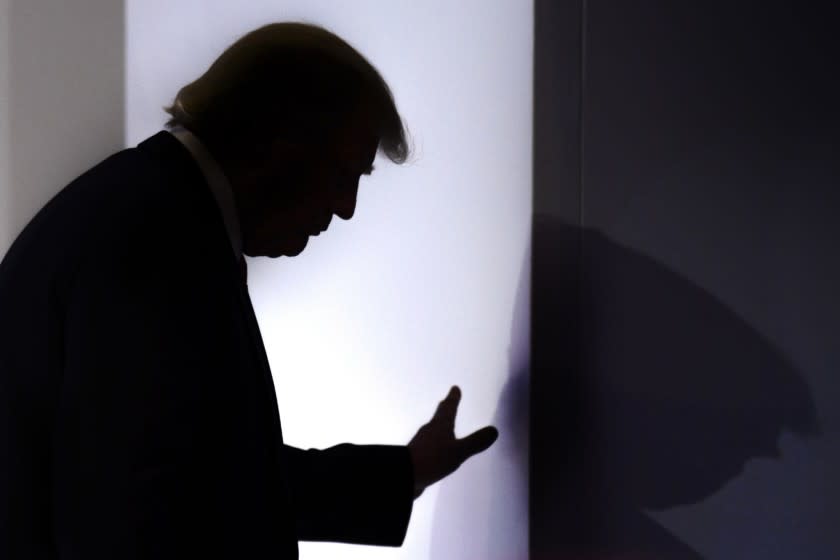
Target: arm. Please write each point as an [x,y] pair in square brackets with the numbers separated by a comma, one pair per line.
[360,494]
[363,494]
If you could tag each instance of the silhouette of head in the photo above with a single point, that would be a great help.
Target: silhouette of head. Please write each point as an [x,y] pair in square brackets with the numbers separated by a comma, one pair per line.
[294,115]
[684,392]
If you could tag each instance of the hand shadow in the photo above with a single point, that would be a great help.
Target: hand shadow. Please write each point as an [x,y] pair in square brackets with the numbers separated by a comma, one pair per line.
[646,393]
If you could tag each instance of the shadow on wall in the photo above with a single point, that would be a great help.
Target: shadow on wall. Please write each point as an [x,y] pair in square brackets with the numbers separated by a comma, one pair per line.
[646,393]
[670,395]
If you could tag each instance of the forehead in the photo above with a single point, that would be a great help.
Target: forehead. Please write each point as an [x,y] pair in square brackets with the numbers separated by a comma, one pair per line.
[357,142]
[357,147]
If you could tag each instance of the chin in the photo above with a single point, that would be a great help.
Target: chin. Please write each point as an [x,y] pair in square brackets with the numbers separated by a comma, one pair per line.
[289,248]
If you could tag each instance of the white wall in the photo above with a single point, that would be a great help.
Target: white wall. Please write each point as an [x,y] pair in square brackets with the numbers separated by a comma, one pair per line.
[368,328]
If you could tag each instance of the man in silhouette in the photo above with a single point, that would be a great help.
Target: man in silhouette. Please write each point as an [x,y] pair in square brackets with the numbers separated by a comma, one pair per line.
[138,417]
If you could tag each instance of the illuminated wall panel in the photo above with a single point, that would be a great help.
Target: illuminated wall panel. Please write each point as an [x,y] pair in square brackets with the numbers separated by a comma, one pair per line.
[427,286]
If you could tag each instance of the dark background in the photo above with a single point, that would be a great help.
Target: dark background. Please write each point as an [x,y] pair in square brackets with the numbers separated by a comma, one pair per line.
[685,317]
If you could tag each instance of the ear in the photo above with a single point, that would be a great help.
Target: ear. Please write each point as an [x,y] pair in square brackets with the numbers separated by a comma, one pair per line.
[265,154]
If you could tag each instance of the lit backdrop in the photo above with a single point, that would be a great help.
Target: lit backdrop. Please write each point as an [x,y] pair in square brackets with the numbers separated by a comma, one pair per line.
[427,285]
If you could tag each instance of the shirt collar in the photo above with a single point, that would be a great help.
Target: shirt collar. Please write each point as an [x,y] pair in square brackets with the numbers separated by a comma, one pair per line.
[219,185]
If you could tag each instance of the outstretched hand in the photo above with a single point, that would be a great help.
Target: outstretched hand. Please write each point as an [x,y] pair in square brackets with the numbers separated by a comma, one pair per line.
[436,452]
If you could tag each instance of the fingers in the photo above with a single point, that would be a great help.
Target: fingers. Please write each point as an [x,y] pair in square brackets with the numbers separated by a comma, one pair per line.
[448,407]
[477,442]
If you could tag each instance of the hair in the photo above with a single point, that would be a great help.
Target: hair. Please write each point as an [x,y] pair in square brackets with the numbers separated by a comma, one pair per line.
[292,80]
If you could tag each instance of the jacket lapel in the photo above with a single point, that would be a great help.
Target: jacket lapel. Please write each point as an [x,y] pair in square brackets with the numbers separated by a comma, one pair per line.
[180,169]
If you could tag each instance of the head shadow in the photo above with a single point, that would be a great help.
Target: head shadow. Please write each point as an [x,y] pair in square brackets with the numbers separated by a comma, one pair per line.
[665,396]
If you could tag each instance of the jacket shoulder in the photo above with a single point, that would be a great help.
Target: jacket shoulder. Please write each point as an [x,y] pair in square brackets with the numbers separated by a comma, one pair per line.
[107,203]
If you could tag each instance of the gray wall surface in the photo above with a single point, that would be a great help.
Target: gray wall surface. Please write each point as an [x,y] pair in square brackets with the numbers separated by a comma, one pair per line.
[61,99]
[691,406]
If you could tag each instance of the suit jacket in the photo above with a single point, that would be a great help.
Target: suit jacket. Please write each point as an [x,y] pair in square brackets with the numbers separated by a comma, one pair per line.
[138,417]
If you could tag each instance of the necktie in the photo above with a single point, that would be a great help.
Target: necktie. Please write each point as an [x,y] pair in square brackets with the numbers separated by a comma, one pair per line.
[243,270]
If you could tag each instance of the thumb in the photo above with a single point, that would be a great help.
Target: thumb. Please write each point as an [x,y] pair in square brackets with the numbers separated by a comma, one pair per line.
[477,442]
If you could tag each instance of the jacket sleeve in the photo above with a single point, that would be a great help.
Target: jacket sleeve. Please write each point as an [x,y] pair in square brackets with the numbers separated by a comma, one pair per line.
[360,494]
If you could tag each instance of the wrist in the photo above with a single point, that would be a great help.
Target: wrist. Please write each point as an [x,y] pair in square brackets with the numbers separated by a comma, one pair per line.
[417,486]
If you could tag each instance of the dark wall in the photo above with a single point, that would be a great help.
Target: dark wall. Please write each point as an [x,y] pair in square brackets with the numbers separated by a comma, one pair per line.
[685,325]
